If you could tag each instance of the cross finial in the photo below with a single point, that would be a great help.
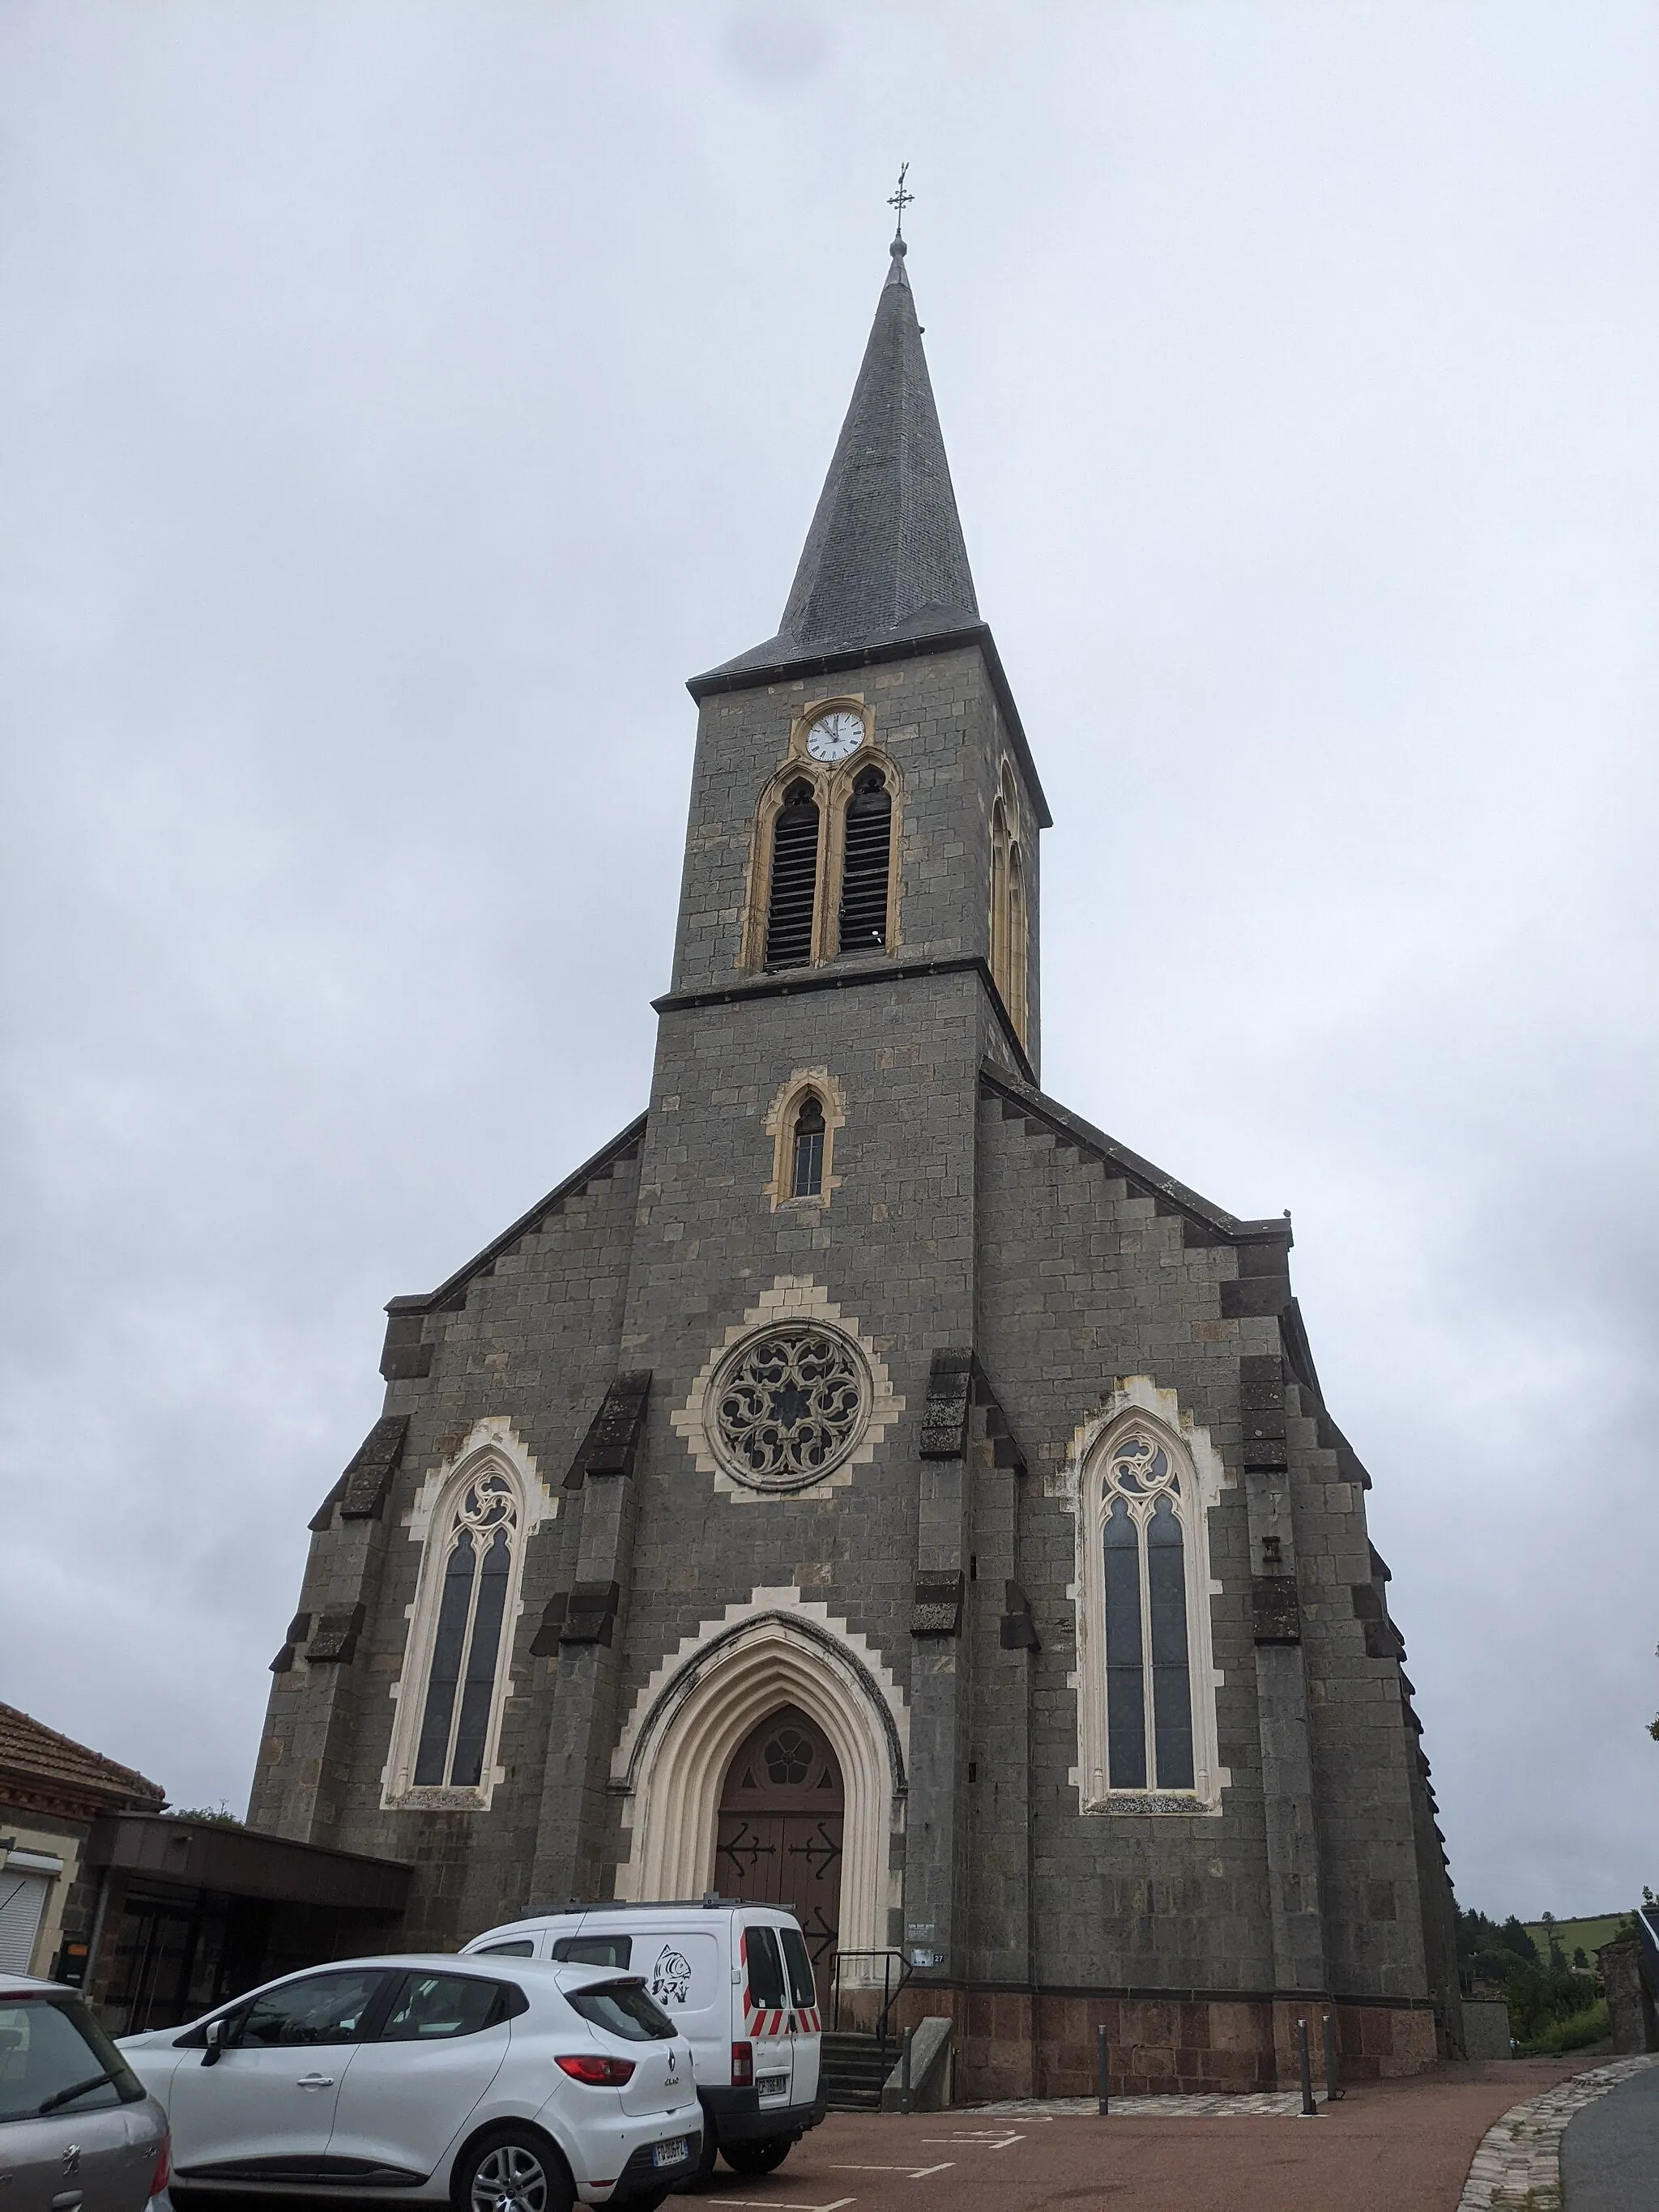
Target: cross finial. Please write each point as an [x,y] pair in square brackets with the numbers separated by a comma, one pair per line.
[900,200]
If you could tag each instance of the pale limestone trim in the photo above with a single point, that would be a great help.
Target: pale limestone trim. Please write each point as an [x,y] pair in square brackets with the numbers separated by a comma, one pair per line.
[832,789]
[795,770]
[1137,1401]
[779,1124]
[842,784]
[791,1297]
[493,1446]
[1010,950]
[839,703]
[775,1648]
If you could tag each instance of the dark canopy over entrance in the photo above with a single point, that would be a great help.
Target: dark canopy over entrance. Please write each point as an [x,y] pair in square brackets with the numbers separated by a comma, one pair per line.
[781,1825]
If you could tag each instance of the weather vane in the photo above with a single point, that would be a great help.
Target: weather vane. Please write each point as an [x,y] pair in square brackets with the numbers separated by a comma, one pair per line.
[900,200]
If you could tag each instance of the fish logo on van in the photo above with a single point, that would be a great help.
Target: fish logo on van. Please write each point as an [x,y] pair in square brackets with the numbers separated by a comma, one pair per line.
[671,1978]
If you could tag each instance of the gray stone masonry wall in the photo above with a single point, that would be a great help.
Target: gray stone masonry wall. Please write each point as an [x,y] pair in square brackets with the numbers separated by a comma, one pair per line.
[1081,1282]
[937,719]
[954,1221]
[892,1250]
[537,1340]
[1364,1752]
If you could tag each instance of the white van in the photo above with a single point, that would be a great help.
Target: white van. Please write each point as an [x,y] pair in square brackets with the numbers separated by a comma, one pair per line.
[736,1982]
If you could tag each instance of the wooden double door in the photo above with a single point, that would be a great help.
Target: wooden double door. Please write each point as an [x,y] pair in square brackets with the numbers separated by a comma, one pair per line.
[780,1837]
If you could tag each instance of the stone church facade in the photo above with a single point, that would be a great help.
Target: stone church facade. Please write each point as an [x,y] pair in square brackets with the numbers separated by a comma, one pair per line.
[865,1483]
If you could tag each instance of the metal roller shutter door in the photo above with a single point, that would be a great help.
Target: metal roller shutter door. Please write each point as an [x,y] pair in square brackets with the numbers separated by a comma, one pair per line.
[22,1901]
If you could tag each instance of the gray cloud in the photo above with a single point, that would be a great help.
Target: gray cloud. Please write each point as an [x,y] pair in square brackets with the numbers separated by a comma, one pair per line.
[398,402]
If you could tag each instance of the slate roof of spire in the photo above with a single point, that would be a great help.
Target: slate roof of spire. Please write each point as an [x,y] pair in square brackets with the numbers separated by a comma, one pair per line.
[884,559]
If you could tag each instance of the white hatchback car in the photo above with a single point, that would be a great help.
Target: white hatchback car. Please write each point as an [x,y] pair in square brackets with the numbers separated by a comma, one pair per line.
[497,2086]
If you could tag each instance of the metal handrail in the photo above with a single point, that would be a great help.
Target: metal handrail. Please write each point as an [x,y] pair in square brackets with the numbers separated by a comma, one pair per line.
[890,1990]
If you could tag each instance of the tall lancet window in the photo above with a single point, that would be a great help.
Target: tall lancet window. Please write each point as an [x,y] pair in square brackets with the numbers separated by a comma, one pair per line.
[794,896]
[466,1649]
[1149,1702]
[866,867]
[1018,943]
[807,1180]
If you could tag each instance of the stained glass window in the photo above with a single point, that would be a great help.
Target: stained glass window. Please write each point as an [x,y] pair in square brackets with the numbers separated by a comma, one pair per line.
[1149,1706]
[460,1689]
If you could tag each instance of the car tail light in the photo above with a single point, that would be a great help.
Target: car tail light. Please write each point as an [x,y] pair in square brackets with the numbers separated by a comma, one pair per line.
[603,2073]
[158,2180]
[743,2065]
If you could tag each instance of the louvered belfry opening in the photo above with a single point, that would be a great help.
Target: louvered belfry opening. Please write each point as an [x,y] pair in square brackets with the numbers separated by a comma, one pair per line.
[863,871]
[794,880]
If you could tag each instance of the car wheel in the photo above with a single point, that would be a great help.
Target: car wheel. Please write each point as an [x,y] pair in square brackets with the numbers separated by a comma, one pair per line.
[703,2171]
[511,2170]
[762,2157]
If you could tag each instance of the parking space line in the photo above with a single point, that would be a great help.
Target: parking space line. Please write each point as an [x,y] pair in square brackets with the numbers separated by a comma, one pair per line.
[779,2204]
[916,2173]
[983,2139]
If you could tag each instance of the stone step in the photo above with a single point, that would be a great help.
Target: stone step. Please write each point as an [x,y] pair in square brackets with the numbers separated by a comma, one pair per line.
[851,2071]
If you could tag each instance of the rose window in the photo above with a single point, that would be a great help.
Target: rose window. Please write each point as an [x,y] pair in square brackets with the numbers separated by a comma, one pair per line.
[788,1406]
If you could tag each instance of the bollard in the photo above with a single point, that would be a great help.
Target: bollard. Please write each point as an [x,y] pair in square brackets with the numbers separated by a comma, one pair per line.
[1309,2110]
[1101,2079]
[1333,2064]
[904,2071]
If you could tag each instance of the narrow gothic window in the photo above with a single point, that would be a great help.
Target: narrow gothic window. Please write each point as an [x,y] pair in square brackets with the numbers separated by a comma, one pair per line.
[807,1180]
[865,870]
[794,880]
[460,1689]
[1019,954]
[1000,896]
[1149,1706]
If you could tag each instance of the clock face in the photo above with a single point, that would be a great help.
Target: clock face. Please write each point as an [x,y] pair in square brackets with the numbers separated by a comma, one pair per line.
[834,737]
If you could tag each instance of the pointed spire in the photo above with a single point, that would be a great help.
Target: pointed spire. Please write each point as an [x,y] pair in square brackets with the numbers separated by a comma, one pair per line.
[884,558]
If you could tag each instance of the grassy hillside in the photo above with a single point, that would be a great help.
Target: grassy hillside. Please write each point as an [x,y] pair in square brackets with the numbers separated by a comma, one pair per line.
[1571,1934]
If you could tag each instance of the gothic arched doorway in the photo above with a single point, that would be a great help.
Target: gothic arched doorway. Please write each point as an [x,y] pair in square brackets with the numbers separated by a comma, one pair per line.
[780,1836]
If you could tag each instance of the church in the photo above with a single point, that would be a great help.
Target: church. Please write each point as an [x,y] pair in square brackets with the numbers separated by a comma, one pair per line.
[865,1485]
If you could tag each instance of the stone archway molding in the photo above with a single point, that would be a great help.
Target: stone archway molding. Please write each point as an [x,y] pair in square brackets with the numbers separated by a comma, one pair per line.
[776,1648]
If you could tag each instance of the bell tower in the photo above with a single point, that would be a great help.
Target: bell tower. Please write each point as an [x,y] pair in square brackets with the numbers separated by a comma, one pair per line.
[864,803]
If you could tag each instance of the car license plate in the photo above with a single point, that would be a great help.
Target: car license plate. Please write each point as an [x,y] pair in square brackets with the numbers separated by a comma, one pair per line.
[771,2085]
[671,2153]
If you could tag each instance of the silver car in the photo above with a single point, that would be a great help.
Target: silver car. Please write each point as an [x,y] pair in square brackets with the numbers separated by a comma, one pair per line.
[78,2131]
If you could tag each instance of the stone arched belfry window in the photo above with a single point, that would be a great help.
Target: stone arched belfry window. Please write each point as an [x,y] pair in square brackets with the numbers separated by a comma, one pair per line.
[1145,1681]
[1018,943]
[1010,927]
[867,864]
[474,1518]
[791,894]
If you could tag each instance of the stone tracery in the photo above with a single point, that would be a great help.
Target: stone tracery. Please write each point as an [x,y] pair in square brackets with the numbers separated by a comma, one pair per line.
[789,1404]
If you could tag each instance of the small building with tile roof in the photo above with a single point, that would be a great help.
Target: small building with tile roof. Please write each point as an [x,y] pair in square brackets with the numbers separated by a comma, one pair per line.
[52,1792]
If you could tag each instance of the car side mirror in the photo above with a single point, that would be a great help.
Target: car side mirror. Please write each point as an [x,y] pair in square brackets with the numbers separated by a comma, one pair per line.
[215,2035]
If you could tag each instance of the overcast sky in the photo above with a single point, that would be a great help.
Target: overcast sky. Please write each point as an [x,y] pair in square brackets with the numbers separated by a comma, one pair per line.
[399,402]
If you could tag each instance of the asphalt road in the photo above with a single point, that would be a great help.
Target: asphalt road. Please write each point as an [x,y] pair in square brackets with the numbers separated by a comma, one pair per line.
[1610,2152]
[1393,2147]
